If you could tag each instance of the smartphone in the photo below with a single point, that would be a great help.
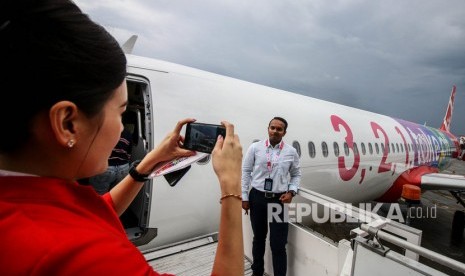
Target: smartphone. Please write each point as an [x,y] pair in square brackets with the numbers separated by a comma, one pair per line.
[202,137]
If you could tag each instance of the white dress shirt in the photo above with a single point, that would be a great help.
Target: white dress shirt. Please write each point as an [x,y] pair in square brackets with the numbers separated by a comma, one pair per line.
[285,169]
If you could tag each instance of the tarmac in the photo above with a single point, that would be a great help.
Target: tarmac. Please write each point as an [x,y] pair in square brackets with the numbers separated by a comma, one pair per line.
[433,216]
[437,230]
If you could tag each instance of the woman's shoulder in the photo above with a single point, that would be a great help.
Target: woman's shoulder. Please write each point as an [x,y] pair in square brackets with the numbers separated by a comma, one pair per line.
[95,253]
[60,246]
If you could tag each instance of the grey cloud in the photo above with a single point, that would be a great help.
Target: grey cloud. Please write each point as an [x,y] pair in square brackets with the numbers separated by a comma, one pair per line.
[397,58]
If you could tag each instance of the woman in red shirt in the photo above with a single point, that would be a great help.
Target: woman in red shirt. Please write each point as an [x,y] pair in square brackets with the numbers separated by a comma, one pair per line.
[62,79]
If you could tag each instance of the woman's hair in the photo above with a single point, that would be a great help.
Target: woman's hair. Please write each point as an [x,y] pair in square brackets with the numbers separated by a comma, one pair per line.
[50,51]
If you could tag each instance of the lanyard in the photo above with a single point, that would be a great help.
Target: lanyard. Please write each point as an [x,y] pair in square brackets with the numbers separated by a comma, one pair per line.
[269,165]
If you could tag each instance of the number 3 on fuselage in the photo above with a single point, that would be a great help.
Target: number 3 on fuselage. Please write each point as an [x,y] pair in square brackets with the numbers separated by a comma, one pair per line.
[344,173]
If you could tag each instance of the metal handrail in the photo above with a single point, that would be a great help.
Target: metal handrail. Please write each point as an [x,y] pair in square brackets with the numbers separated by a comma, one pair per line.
[436,257]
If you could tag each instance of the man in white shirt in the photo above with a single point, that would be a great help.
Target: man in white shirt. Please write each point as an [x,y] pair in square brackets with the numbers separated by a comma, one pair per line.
[267,167]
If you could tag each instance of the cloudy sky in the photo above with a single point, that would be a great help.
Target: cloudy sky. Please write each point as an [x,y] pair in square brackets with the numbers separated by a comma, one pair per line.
[399,58]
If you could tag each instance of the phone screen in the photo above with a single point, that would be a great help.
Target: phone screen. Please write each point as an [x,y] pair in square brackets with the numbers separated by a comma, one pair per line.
[202,137]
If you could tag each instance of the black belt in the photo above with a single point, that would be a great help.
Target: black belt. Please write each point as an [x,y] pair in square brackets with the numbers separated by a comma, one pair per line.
[270,194]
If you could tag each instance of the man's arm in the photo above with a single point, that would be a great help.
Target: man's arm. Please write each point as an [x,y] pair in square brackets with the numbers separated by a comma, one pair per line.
[295,173]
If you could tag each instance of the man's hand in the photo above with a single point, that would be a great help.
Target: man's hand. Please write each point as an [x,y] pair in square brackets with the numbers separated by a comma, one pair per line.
[286,198]
[246,207]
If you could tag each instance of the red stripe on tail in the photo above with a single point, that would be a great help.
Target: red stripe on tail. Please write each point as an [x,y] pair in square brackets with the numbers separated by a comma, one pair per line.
[450,107]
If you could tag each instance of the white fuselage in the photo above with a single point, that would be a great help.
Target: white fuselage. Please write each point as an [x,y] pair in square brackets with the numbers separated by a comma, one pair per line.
[191,207]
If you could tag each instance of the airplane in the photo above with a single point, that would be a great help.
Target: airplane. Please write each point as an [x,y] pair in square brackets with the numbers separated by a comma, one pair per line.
[345,153]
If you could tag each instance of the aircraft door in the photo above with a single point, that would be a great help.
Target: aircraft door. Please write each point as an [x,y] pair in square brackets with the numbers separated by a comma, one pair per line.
[135,219]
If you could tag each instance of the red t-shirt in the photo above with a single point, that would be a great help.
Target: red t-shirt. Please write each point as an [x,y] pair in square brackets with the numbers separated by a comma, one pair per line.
[55,227]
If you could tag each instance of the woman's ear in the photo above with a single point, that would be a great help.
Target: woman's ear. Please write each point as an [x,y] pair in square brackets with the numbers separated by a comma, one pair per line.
[63,121]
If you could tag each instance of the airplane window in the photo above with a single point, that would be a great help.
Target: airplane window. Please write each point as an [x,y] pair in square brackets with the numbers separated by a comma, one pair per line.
[255,140]
[355,149]
[364,151]
[296,145]
[393,148]
[311,149]
[401,148]
[346,149]
[370,148]
[324,147]
[409,147]
[377,148]
[397,147]
[336,149]
[382,148]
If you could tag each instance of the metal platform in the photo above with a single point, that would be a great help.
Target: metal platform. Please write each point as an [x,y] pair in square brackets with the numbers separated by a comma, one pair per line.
[193,257]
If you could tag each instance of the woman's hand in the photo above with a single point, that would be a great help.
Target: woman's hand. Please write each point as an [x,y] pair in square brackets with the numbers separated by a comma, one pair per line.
[171,146]
[168,149]
[227,160]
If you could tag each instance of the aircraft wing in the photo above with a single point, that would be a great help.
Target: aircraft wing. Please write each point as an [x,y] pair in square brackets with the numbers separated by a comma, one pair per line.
[442,181]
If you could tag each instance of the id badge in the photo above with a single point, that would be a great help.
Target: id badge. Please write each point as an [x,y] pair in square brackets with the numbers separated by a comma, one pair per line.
[268,184]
